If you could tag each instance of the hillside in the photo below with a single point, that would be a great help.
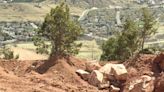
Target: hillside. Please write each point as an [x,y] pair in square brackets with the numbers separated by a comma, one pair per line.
[35,10]
[28,11]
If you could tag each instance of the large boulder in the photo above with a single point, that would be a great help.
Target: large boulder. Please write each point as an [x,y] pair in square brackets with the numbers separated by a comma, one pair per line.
[119,71]
[96,78]
[83,74]
[93,65]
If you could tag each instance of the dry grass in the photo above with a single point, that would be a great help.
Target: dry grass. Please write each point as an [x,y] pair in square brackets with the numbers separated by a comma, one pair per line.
[89,50]
[28,11]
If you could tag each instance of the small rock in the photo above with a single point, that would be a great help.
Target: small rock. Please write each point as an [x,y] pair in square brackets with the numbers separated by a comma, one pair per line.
[146,78]
[96,78]
[104,85]
[114,89]
[149,73]
[83,74]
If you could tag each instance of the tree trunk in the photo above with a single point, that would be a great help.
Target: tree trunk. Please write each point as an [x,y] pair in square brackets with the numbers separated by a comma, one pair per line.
[142,44]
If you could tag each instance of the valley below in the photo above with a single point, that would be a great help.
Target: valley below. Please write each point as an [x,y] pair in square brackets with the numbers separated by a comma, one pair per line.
[19,20]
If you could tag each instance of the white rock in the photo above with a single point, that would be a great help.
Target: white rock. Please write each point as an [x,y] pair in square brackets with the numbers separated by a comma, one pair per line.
[104,85]
[114,89]
[83,74]
[143,84]
[146,78]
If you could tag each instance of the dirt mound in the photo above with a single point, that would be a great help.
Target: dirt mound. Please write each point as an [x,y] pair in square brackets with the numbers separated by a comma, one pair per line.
[144,64]
[60,76]
[64,72]
[17,67]
[22,76]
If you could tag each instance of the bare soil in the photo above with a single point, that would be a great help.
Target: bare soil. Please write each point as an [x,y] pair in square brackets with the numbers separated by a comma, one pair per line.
[60,76]
[24,76]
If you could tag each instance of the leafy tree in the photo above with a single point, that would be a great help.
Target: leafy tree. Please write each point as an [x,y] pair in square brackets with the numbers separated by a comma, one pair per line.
[148,25]
[124,45]
[128,41]
[60,30]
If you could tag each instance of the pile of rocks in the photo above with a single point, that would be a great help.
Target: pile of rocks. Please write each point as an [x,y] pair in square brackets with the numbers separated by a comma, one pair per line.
[110,76]
[116,78]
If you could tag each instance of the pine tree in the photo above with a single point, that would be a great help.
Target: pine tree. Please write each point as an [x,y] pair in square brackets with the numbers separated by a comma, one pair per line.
[60,30]
[148,27]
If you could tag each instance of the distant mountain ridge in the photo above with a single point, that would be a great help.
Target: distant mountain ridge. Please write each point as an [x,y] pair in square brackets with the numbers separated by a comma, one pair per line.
[95,3]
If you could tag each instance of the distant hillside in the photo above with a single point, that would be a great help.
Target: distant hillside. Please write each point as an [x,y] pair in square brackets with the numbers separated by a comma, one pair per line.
[28,11]
[106,3]
[95,3]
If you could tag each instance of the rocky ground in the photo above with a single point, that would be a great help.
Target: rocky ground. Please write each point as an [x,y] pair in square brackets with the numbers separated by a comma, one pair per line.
[142,74]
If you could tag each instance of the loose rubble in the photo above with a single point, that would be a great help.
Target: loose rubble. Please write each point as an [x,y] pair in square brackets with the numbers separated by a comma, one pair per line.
[127,78]
[142,75]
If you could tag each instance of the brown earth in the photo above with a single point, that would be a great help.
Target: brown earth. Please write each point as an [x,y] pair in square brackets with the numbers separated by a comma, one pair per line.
[23,76]
[146,64]
[44,76]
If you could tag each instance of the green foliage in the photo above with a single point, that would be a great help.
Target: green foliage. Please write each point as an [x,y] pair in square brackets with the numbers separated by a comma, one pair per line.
[131,39]
[7,53]
[17,56]
[151,50]
[60,30]
[109,49]
[148,25]
[124,45]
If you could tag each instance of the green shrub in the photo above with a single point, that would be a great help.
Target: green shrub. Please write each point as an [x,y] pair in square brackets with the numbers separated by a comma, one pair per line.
[124,45]
[7,53]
